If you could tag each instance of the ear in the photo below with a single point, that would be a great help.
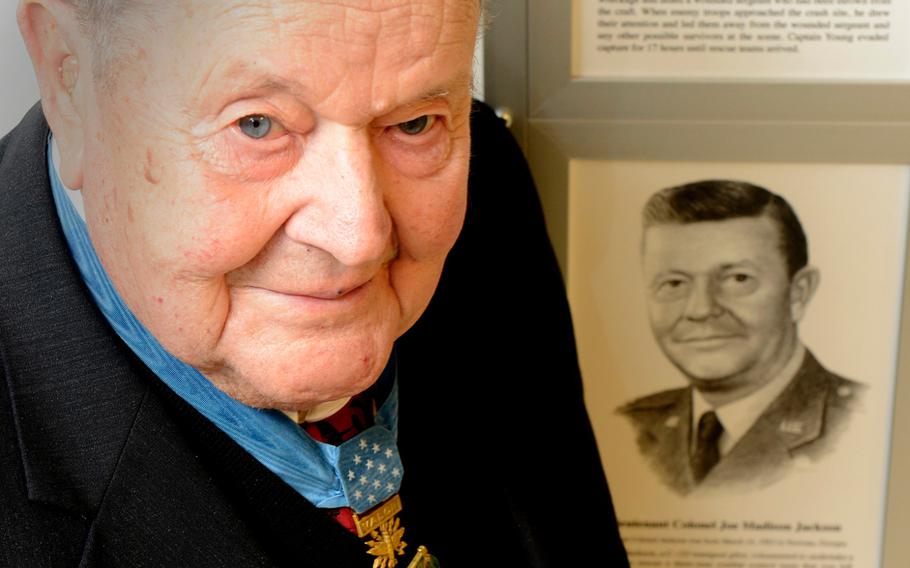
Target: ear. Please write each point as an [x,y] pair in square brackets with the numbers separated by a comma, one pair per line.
[52,35]
[802,288]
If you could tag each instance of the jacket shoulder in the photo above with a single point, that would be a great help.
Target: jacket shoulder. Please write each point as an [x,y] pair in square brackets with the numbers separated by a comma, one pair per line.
[660,401]
[31,131]
[844,396]
[841,392]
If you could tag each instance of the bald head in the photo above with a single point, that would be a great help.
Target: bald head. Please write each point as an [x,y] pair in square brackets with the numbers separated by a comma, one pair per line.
[107,11]
[101,20]
[99,7]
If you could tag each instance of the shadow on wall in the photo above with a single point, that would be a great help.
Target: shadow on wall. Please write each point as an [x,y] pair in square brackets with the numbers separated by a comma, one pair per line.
[20,92]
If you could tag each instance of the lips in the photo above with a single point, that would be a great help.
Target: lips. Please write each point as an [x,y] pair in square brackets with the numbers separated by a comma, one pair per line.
[323,279]
[705,338]
[707,333]
[325,293]
[707,343]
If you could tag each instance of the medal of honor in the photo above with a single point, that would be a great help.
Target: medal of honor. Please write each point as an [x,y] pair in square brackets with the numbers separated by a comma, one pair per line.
[371,477]
[384,536]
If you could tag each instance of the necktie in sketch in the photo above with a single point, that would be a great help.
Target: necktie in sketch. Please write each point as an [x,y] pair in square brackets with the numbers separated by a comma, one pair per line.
[707,451]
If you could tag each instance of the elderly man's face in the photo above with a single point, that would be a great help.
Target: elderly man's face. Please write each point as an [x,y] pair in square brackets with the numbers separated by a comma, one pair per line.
[719,299]
[273,185]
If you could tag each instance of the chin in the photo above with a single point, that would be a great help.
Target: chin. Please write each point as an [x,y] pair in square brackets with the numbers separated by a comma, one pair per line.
[709,376]
[713,379]
[706,367]
[712,384]
[303,382]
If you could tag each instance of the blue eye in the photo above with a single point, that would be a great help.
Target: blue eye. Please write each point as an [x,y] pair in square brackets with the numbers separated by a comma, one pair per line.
[416,126]
[255,126]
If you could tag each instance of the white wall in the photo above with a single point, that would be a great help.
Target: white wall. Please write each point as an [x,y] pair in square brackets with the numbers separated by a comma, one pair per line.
[18,90]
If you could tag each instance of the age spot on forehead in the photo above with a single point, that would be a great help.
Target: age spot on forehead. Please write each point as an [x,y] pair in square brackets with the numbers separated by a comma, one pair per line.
[152,169]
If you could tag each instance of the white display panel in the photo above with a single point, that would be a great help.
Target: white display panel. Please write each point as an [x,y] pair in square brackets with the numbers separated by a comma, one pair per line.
[742,39]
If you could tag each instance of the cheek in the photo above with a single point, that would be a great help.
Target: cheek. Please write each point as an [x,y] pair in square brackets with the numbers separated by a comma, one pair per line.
[765,311]
[218,227]
[770,324]
[214,252]
[428,218]
[663,315]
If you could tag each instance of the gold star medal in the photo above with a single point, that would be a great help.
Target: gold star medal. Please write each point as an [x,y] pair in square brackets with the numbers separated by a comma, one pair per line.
[371,476]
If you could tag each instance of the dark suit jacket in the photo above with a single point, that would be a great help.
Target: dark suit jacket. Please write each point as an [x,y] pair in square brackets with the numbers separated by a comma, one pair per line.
[102,465]
[804,420]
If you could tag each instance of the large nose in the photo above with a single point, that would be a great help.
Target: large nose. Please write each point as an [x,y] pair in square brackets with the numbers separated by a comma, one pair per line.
[344,213]
[701,303]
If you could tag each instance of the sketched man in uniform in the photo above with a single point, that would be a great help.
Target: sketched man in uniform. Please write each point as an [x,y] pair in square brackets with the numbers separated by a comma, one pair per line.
[728,280]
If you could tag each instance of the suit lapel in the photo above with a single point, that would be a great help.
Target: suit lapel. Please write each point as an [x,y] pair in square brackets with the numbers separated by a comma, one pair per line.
[71,387]
[795,418]
[797,415]
[186,494]
[681,439]
[671,435]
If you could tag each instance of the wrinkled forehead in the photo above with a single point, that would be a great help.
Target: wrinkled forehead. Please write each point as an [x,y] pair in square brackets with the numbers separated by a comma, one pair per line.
[316,45]
[357,20]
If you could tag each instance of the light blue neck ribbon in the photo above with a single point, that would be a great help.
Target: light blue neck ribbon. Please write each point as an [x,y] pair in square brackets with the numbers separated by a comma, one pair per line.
[359,473]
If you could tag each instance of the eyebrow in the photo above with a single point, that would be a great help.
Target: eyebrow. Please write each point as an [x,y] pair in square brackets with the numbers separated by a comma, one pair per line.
[739,264]
[462,81]
[746,263]
[245,80]
[252,79]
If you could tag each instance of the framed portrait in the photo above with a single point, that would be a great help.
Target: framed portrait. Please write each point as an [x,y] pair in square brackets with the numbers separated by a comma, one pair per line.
[804,476]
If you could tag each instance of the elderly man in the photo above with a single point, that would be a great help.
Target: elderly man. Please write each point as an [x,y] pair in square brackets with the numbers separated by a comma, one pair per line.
[211,260]
[726,269]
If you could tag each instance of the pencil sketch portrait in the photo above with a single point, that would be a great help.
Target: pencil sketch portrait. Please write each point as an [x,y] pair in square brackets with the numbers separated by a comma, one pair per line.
[727,275]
